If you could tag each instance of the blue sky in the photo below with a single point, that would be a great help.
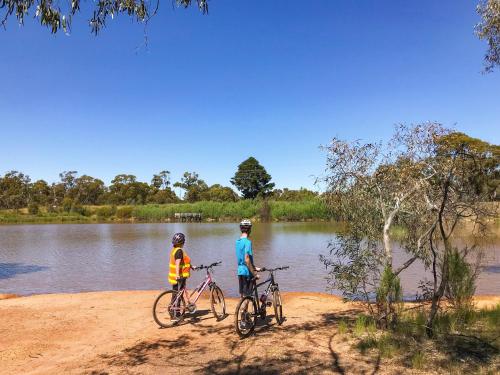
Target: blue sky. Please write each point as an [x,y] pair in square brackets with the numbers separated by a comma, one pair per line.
[272,79]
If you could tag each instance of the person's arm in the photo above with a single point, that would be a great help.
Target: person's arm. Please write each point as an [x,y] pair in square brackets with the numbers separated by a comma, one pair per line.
[178,259]
[250,265]
[177,268]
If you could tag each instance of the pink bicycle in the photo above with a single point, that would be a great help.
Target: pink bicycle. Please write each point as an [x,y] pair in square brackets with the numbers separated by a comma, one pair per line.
[170,306]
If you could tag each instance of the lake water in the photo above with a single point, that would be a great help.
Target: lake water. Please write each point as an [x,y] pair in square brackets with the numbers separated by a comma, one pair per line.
[91,257]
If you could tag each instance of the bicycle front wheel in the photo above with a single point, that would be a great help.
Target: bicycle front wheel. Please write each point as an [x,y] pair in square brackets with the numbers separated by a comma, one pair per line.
[218,303]
[278,307]
[169,308]
[245,317]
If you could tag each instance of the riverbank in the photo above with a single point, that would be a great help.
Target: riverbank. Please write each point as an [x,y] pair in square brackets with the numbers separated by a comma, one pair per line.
[114,333]
[309,210]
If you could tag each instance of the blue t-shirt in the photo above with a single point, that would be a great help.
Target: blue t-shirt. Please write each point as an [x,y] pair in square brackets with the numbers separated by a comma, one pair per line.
[243,247]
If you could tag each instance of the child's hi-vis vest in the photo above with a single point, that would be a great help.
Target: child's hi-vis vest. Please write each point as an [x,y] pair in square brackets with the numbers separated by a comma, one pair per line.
[184,267]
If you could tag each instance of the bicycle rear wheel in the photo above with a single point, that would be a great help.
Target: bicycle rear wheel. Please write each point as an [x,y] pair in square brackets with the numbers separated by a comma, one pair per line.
[278,307]
[218,303]
[165,313]
[245,317]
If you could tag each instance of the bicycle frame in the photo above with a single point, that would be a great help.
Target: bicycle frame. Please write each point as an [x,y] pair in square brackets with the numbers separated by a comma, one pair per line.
[269,288]
[199,289]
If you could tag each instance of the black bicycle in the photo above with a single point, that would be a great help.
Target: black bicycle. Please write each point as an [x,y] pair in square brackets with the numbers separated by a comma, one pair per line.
[251,307]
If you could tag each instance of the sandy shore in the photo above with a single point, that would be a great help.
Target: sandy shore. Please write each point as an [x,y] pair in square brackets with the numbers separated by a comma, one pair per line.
[114,333]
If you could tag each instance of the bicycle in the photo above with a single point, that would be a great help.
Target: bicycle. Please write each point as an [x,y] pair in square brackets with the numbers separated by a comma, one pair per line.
[170,306]
[251,307]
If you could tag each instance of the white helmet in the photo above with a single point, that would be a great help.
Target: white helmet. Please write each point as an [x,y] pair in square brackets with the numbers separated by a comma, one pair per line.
[245,224]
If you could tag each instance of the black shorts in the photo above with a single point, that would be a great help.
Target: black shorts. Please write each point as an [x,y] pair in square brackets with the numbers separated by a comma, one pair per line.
[246,285]
[181,284]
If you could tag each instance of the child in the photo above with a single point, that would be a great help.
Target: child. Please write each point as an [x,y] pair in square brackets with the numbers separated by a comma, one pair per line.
[244,255]
[179,267]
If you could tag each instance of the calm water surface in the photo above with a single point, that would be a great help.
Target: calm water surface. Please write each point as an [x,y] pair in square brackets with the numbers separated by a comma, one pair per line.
[73,258]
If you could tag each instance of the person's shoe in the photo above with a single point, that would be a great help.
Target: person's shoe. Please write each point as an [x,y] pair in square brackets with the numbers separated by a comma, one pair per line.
[191,307]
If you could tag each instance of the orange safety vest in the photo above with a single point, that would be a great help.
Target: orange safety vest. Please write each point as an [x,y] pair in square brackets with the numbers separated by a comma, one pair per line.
[184,268]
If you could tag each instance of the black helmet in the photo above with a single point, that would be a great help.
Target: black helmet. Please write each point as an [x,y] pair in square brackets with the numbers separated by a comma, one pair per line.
[178,239]
[245,225]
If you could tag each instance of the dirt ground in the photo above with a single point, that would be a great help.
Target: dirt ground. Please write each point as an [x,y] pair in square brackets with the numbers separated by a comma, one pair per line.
[114,333]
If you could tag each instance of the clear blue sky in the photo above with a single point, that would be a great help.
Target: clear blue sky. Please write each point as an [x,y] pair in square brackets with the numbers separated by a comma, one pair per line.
[272,79]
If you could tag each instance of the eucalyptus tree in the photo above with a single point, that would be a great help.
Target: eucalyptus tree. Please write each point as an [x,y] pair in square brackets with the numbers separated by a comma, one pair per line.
[373,186]
[58,16]
[489,30]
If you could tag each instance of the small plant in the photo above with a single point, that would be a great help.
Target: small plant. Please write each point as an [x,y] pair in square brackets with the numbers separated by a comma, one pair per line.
[360,325]
[342,327]
[417,360]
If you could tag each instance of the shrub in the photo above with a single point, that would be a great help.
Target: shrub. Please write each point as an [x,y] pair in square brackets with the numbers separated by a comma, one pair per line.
[124,212]
[461,282]
[33,208]
[105,212]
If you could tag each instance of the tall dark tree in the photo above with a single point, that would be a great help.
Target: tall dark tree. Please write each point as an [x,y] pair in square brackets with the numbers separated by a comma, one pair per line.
[252,179]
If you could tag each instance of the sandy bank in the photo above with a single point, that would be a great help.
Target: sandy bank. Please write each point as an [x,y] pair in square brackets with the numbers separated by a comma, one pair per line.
[114,333]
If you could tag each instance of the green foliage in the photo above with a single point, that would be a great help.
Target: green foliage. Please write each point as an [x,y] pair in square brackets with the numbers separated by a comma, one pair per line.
[389,295]
[461,281]
[124,212]
[293,195]
[417,360]
[219,193]
[252,179]
[57,16]
[33,208]
[489,30]
[360,325]
[342,327]
[105,212]
[193,186]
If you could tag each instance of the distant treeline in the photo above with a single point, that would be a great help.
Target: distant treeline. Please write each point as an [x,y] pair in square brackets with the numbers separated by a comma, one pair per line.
[72,193]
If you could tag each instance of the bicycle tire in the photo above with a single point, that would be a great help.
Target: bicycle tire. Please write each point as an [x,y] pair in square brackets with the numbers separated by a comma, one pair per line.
[217,299]
[278,307]
[250,318]
[162,309]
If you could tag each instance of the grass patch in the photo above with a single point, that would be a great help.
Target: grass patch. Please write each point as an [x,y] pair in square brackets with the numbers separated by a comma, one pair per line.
[464,341]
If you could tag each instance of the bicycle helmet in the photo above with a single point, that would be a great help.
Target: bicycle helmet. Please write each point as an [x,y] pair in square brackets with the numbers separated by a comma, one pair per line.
[245,225]
[178,239]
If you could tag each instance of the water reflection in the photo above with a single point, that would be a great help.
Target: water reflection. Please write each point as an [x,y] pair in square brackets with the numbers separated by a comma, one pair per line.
[72,258]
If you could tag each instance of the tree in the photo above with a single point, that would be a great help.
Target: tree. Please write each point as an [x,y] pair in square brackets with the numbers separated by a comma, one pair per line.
[489,30]
[252,179]
[161,180]
[14,190]
[193,186]
[455,200]
[50,13]
[125,189]
[293,195]
[40,192]
[425,180]
[89,190]
[371,186]
[219,193]
[160,191]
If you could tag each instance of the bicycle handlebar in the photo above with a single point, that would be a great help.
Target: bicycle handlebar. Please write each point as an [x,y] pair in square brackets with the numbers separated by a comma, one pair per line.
[200,267]
[263,269]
